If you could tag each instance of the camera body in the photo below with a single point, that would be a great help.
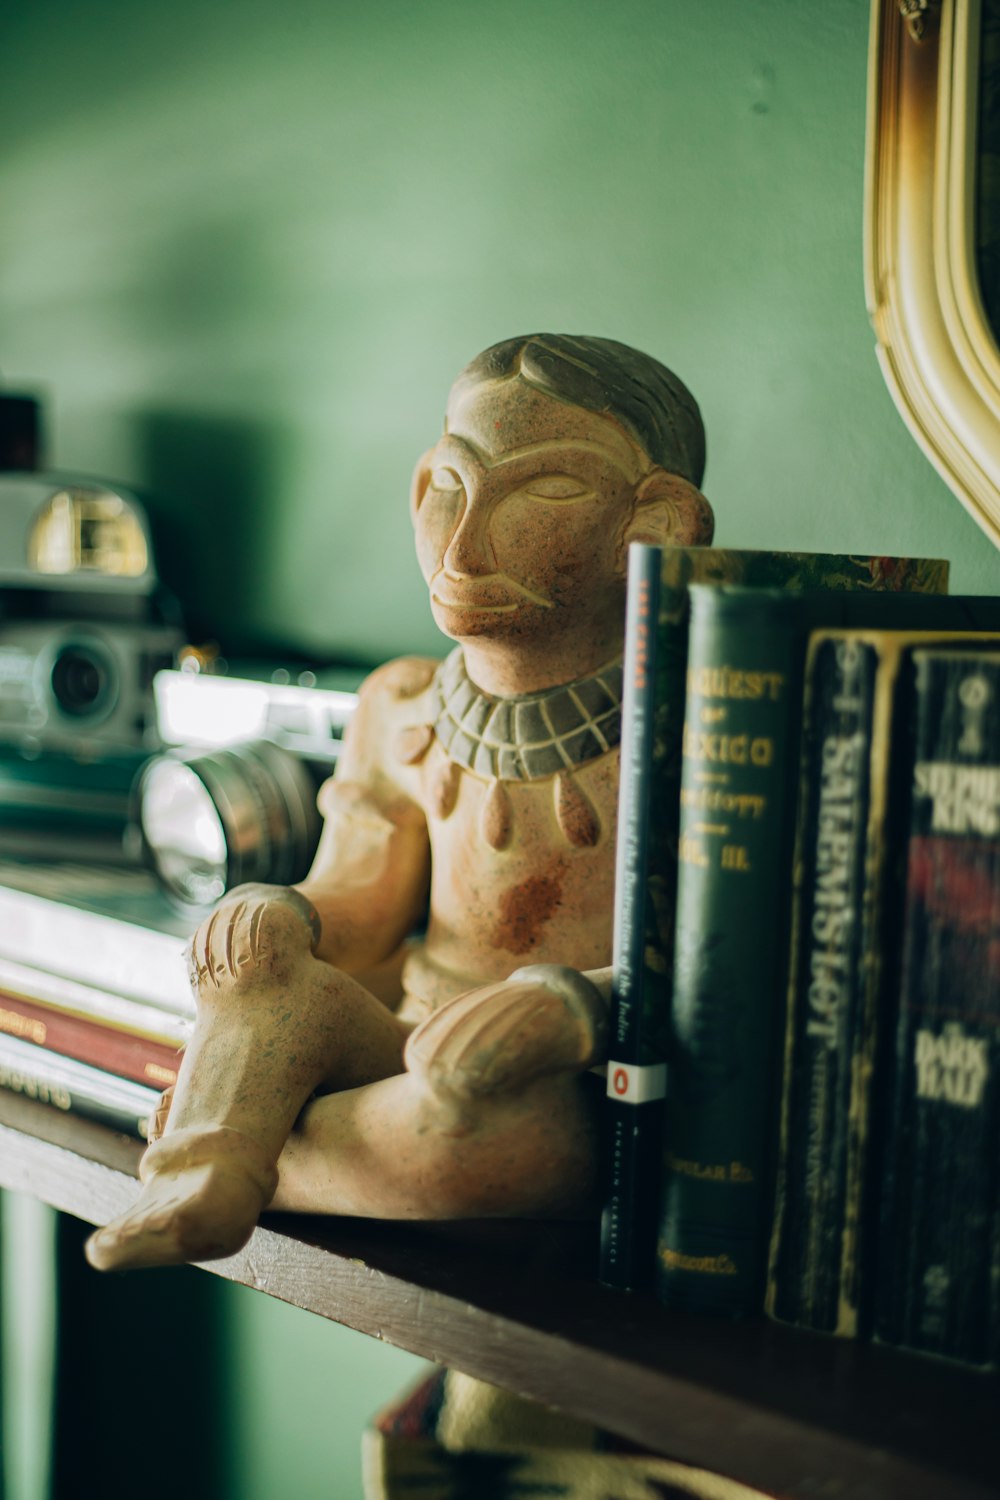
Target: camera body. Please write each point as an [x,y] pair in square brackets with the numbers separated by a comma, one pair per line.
[234,798]
[79,686]
[84,623]
[84,627]
[307,715]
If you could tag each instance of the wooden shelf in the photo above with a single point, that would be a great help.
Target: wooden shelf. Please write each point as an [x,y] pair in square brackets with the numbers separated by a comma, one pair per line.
[517,1304]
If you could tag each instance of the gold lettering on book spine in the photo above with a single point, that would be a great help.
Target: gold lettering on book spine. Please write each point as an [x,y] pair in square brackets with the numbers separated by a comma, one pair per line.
[707,1265]
[707,1171]
[734,683]
[160,1074]
[31,1088]
[727,749]
[15,1024]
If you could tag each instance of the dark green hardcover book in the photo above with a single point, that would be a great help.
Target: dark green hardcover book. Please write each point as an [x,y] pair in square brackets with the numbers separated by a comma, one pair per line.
[937,1286]
[738,796]
[656,647]
[842,942]
[733,838]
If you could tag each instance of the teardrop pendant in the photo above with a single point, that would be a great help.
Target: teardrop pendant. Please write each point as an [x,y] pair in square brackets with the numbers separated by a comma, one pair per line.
[496,818]
[413,744]
[444,793]
[574,814]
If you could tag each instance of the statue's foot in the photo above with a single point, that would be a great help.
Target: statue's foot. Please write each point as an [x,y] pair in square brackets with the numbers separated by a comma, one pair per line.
[203,1191]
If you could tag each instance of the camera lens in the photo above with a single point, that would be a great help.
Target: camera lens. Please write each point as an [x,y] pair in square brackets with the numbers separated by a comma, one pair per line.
[81,680]
[215,820]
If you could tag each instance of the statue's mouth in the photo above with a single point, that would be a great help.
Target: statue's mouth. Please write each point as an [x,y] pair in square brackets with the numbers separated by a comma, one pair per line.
[479,605]
[494,594]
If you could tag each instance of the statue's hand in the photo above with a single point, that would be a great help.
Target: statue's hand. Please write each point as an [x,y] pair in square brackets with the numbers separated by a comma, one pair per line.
[256,930]
[543,1019]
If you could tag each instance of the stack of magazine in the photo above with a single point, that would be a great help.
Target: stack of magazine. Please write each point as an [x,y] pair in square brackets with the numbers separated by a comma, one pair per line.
[95,1001]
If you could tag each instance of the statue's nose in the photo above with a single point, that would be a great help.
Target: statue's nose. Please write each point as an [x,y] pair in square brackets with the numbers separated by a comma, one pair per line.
[469,550]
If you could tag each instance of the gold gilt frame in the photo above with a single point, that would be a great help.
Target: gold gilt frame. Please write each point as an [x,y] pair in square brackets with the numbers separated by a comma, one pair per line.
[937,351]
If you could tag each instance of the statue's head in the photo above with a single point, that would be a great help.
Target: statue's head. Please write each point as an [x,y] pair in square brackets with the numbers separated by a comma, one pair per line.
[557,453]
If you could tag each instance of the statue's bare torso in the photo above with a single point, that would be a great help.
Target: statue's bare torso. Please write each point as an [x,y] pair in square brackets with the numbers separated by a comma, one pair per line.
[491,910]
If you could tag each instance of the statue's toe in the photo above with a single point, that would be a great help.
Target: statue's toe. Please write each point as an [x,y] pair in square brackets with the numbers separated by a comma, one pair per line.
[200,1211]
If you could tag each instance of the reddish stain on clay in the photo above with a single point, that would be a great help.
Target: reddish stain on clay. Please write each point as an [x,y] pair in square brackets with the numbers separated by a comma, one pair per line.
[525,909]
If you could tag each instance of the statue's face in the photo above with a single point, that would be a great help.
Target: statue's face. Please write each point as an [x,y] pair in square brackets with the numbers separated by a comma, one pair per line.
[519,512]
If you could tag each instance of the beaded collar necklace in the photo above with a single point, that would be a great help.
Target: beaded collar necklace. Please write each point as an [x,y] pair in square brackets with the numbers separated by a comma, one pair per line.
[530,738]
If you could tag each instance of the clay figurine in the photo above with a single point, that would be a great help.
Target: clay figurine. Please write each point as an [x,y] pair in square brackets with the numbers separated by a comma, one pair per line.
[338,1064]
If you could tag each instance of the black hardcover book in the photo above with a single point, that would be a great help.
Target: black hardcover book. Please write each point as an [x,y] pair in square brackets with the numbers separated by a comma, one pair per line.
[827,1055]
[633,1118]
[938,1275]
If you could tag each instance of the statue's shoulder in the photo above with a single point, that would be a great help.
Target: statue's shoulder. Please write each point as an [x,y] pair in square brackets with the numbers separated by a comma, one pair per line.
[399,681]
[391,701]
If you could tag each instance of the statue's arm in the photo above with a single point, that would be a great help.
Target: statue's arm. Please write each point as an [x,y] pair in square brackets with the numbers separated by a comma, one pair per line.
[368,882]
[545,1018]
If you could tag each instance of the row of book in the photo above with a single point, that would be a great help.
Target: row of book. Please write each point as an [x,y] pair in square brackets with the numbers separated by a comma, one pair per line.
[802,1104]
[95,1002]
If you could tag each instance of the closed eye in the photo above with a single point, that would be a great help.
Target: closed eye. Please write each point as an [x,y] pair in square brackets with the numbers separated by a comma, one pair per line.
[556,487]
[445,479]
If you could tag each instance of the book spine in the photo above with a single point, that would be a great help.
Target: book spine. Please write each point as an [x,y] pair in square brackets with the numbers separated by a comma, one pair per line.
[107,1009]
[88,947]
[735,818]
[136,1057]
[814,1278]
[938,1276]
[75,1087]
[633,1115]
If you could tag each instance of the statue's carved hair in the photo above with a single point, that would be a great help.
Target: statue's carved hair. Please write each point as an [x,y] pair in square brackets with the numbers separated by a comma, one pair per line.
[645,398]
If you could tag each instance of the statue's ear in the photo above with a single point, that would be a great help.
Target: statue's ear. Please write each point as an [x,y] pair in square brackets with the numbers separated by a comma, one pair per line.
[669,511]
[421,479]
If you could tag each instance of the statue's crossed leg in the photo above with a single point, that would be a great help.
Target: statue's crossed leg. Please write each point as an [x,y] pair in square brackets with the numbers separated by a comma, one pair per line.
[487,1118]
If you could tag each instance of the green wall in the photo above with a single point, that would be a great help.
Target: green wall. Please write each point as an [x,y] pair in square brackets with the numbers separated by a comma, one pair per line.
[245,246]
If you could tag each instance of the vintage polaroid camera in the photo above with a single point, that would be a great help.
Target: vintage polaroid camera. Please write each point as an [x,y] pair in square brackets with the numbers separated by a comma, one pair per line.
[84,622]
[84,628]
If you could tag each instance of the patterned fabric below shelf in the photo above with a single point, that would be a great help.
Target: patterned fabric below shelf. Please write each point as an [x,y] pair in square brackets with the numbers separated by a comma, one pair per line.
[454,1438]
